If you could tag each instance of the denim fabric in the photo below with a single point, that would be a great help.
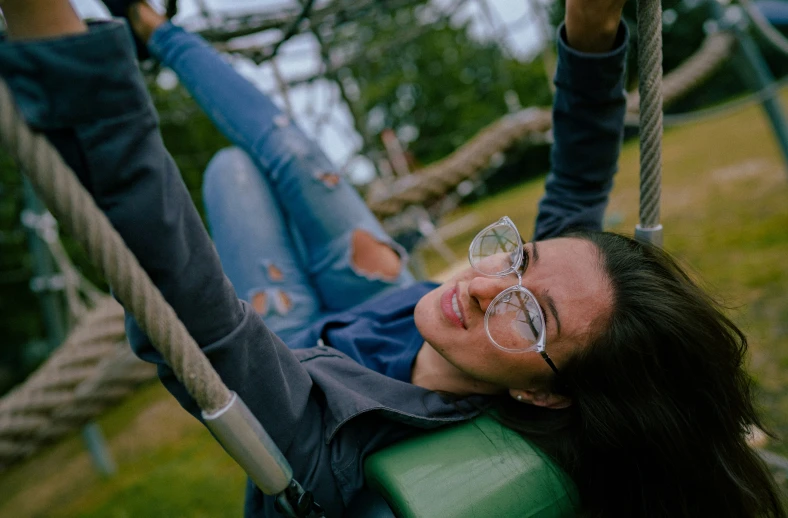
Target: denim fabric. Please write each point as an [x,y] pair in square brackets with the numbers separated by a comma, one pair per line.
[273,202]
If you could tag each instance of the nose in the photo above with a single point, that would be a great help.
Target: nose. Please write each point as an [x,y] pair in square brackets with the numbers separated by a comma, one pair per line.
[483,290]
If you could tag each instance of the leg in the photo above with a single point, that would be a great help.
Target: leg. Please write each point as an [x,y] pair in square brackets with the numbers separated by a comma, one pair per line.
[256,250]
[344,244]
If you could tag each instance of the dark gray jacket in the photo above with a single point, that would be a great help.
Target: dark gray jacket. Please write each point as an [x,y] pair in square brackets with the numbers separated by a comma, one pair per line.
[324,411]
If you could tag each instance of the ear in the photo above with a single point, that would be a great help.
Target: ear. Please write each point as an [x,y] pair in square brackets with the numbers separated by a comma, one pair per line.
[541,398]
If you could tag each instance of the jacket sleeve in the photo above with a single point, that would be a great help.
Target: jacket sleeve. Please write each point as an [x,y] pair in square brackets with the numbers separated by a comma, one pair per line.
[588,122]
[86,94]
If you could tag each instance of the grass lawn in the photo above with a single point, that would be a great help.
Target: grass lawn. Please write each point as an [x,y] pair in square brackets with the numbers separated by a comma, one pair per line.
[725,212]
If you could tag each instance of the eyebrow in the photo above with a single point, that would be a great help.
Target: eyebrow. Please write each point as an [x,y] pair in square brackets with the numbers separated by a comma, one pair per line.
[551,305]
[546,295]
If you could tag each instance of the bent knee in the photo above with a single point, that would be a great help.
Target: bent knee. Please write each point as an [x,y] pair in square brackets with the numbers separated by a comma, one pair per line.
[373,257]
[230,168]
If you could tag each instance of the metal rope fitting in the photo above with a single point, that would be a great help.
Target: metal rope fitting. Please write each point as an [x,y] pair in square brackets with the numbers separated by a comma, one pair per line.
[242,435]
[652,235]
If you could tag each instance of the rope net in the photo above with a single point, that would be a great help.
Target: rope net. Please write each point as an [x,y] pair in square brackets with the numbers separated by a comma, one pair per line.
[91,372]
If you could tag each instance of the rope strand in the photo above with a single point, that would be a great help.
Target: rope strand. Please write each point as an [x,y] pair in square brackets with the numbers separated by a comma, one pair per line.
[650,69]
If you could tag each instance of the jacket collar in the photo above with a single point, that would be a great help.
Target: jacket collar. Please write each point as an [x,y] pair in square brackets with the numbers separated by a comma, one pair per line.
[351,390]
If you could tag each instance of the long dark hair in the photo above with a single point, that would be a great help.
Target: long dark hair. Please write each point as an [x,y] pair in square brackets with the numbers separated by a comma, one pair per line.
[660,401]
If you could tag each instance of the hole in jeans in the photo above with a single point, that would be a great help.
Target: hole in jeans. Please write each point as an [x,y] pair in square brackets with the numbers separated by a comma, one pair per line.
[329,179]
[285,303]
[274,273]
[373,257]
[260,302]
[276,301]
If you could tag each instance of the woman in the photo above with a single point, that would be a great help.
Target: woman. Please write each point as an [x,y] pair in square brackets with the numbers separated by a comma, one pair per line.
[596,347]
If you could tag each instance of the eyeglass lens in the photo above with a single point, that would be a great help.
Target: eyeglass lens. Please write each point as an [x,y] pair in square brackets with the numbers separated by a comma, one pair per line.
[495,250]
[514,321]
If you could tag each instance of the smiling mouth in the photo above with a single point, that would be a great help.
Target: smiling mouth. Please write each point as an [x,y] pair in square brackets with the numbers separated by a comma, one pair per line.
[456,307]
[451,308]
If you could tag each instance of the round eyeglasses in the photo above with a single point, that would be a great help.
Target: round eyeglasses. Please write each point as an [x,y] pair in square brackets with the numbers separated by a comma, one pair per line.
[514,320]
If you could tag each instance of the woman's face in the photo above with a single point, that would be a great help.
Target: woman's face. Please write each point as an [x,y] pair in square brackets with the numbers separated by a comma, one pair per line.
[567,278]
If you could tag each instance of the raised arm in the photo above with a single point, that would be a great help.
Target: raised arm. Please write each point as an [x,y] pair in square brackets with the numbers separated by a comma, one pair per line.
[85,92]
[588,117]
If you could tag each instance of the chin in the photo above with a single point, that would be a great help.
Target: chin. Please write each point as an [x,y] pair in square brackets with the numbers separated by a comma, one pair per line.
[419,316]
[423,314]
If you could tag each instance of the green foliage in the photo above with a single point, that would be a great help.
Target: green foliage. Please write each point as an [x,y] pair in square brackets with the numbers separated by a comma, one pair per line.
[19,318]
[437,83]
[209,485]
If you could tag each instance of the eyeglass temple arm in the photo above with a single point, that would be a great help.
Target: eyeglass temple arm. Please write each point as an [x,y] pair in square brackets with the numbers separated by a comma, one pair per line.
[549,362]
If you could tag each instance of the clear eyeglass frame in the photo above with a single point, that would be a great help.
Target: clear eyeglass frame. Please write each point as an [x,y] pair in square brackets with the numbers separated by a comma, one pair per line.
[514,242]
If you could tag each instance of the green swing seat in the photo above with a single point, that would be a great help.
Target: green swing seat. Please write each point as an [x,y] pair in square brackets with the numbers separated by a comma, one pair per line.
[480,468]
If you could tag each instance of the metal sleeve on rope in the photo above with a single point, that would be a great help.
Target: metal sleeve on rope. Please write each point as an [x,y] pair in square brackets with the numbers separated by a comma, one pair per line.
[650,67]
[247,442]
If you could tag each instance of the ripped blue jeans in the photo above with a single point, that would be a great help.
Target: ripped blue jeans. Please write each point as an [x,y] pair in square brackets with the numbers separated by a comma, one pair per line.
[281,218]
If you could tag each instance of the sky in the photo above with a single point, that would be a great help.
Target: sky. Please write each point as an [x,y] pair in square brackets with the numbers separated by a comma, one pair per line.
[517,24]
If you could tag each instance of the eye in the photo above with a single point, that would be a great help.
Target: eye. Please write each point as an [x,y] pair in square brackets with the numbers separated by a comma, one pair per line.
[526,260]
[523,267]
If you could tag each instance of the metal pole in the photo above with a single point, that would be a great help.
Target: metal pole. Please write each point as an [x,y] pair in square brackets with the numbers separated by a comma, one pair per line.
[756,73]
[97,447]
[47,283]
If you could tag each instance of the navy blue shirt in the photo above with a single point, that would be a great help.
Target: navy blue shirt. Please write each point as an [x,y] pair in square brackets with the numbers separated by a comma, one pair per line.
[380,333]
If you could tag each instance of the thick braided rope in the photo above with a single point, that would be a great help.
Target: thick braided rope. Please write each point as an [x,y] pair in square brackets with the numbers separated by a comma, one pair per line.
[75,209]
[650,86]
[93,370]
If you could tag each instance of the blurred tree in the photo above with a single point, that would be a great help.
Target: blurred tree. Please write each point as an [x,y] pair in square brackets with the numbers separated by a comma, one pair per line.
[19,319]
[432,82]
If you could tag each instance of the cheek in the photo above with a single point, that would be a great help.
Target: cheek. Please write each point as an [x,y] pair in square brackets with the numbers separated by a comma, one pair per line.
[420,316]
[470,351]
[425,317]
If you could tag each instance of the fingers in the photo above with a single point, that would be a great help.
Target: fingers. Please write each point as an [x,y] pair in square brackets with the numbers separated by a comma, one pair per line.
[39,19]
